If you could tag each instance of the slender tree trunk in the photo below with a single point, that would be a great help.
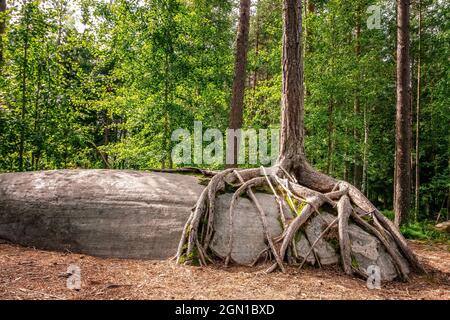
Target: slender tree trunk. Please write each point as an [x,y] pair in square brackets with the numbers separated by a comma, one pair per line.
[106,134]
[255,73]
[168,99]
[37,120]
[330,137]
[417,184]
[24,89]
[46,102]
[237,102]
[365,180]
[2,31]
[358,169]
[60,22]
[346,164]
[403,115]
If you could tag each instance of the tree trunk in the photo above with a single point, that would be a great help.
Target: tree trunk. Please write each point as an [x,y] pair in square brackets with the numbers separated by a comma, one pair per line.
[403,116]
[330,138]
[106,134]
[35,155]
[292,153]
[24,88]
[255,73]
[365,180]
[2,30]
[237,102]
[358,169]
[417,184]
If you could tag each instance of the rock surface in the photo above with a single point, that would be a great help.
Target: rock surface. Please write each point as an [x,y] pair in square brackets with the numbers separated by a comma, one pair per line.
[366,250]
[303,247]
[325,252]
[131,214]
[249,239]
[109,213]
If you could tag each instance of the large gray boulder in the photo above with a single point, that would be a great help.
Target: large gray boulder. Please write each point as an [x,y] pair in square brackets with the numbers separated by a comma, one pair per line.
[131,214]
[109,213]
[248,236]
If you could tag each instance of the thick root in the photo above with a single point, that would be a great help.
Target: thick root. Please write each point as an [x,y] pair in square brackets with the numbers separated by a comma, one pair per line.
[344,210]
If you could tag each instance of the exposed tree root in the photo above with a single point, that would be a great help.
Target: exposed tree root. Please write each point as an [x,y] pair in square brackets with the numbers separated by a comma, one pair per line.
[313,191]
[344,209]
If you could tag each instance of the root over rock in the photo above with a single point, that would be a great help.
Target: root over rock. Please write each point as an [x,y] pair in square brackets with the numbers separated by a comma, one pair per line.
[322,221]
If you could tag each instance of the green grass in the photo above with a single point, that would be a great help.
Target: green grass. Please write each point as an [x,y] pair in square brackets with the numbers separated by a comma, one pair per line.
[422,230]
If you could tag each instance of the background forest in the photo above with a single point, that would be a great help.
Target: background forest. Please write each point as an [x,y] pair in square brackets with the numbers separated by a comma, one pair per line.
[102,84]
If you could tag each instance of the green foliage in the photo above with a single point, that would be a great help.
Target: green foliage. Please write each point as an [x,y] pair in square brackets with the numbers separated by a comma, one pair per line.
[424,231]
[389,214]
[355,264]
[98,84]
[110,93]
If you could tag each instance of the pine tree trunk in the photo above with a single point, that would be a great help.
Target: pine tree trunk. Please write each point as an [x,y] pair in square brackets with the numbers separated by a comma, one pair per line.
[365,180]
[292,153]
[330,146]
[255,73]
[2,31]
[237,102]
[358,169]
[403,116]
[24,89]
[417,184]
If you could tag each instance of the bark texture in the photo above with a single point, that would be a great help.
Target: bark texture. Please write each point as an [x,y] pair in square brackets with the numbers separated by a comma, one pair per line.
[403,117]
[237,102]
[292,114]
[2,30]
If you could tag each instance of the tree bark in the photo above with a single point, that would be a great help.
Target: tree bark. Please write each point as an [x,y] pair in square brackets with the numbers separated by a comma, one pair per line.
[24,88]
[365,181]
[292,153]
[358,169]
[2,30]
[403,116]
[417,183]
[330,143]
[237,102]
[255,73]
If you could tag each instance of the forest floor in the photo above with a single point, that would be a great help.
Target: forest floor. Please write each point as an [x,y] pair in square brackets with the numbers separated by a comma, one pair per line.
[27,273]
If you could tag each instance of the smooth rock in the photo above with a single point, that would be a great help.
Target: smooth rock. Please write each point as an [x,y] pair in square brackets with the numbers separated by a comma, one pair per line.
[108,213]
[248,234]
[325,252]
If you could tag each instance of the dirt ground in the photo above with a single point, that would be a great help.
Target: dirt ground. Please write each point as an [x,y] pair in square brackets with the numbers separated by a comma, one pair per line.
[27,273]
